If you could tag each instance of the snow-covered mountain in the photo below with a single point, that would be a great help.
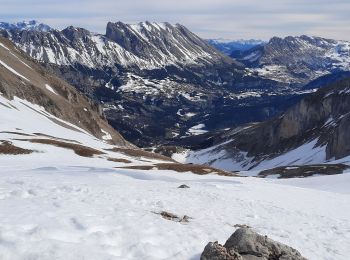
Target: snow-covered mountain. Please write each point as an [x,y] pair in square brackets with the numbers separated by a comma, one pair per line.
[232,47]
[297,59]
[144,72]
[145,45]
[312,132]
[25,25]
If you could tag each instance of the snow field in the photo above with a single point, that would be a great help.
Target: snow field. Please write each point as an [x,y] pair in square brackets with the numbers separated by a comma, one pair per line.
[69,212]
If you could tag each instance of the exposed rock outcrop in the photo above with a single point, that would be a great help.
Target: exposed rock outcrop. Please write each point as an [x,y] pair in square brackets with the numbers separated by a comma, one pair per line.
[245,244]
[286,172]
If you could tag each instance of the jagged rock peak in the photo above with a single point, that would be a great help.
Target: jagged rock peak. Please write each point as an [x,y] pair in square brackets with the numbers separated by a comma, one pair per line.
[72,32]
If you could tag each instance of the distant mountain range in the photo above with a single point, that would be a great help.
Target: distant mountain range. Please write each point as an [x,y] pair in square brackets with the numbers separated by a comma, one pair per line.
[297,60]
[25,25]
[147,71]
[230,47]
[144,72]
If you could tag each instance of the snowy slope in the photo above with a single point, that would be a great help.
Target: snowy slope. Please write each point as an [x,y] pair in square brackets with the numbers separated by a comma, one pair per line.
[55,204]
[87,210]
[217,156]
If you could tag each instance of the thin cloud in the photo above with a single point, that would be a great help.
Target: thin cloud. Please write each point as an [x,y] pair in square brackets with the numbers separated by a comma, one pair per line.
[210,19]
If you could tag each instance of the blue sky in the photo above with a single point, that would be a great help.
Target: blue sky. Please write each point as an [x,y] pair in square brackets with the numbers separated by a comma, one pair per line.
[232,19]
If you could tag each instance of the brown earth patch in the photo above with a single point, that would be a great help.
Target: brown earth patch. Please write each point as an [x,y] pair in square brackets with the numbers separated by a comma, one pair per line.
[8,148]
[196,169]
[286,172]
[118,160]
[80,150]
[140,153]
[173,217]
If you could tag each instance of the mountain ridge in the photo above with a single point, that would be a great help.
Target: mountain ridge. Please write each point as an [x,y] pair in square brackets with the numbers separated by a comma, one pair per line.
[297,60]
[230,47]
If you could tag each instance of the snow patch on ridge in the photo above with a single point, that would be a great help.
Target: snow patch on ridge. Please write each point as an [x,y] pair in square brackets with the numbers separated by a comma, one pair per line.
[106,136]
[218,156]
[13,70]
[49,88]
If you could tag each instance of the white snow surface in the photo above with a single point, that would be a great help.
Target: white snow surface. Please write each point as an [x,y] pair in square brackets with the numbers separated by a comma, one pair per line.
[49,88]
[55,204]
[197,130]
[50,211]
[218,157]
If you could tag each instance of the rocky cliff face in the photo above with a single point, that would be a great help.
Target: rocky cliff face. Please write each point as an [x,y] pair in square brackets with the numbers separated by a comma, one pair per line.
[322,115]
[312,131]
[163,43]
[297,60]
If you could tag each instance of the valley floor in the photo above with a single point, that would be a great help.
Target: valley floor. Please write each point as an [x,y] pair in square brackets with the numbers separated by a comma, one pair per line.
[73,211]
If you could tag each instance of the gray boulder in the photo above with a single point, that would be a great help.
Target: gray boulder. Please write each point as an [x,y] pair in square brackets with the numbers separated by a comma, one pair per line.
[245,244]
[215,251]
